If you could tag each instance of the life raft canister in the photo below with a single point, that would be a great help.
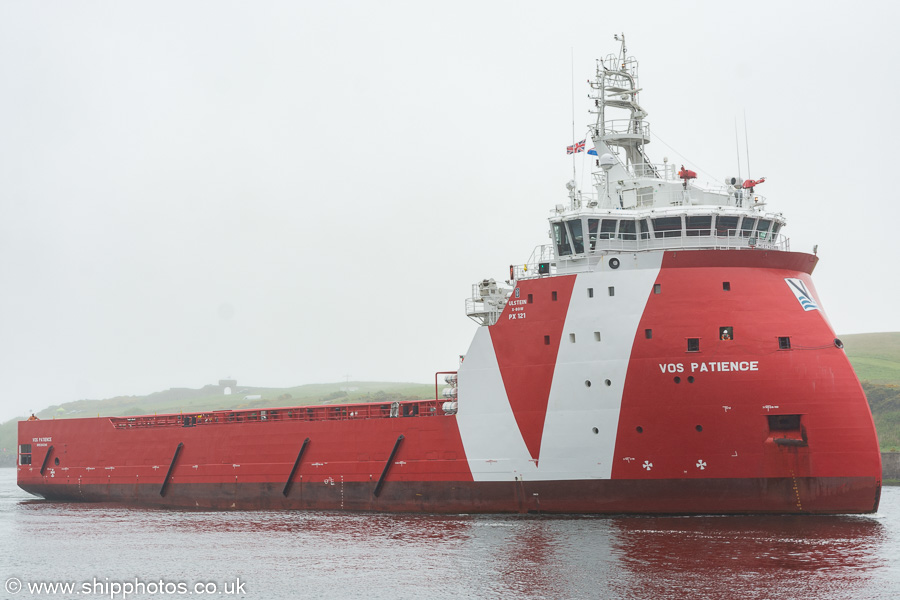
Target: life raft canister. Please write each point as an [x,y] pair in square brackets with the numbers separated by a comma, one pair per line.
[686,173]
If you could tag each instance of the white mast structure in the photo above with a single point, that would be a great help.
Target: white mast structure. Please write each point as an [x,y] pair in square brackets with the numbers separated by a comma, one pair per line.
[637,205]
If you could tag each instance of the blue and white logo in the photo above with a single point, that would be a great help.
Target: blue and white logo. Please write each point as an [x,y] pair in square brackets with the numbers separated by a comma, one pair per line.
[802,293]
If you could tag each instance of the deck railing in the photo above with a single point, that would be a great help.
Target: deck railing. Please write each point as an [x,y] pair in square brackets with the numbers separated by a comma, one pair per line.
[342,412]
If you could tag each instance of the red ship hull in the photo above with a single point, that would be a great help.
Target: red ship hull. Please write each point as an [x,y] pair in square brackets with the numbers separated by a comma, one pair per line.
[632,420]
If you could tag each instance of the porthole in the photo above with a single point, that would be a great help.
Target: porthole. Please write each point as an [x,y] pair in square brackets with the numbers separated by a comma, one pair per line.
[587,383]
[639,429]
[595,430]
[608,383]
[614,263]
[56,461]
[699,427]
[677,379]
[690,379]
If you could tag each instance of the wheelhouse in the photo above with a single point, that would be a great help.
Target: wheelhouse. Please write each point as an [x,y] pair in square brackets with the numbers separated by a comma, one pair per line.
[580,234]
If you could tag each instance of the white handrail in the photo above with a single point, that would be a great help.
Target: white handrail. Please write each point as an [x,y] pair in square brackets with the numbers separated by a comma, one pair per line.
[736,239]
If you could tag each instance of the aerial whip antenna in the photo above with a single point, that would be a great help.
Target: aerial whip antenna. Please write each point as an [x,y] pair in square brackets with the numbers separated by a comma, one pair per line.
[747,142]
[572,48]
[737,147]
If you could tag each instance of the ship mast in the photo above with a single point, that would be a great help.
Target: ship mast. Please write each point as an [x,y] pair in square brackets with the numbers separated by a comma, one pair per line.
[619,128]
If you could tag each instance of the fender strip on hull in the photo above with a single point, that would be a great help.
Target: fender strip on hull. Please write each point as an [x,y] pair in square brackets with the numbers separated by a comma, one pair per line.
[46,460]
[165,483]
[290,478]
[387,467]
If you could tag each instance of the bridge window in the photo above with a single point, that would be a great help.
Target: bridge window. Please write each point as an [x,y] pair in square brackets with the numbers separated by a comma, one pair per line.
[592,232]
[775,227]
[627,230]
[562,240]
[607,229]
[645,229]
[577,236]
[762,228]
[698,225]
[666,227]
[747,225]
[726,225]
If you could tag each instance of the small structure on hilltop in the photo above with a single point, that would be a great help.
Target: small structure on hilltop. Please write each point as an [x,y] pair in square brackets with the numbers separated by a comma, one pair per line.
[227,385]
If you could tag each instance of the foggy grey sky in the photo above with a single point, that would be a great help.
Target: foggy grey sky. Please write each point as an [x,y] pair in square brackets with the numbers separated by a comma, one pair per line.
[295,192]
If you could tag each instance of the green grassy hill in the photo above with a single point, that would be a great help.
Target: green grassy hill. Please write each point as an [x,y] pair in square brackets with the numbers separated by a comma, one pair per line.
[875,356]
[885,403]
[211,397]
[876,359]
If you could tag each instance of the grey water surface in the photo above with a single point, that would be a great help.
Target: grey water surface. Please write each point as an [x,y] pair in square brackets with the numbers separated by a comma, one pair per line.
[114,551]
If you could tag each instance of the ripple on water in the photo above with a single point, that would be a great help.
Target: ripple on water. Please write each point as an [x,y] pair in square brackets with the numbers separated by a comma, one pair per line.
[340,555]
